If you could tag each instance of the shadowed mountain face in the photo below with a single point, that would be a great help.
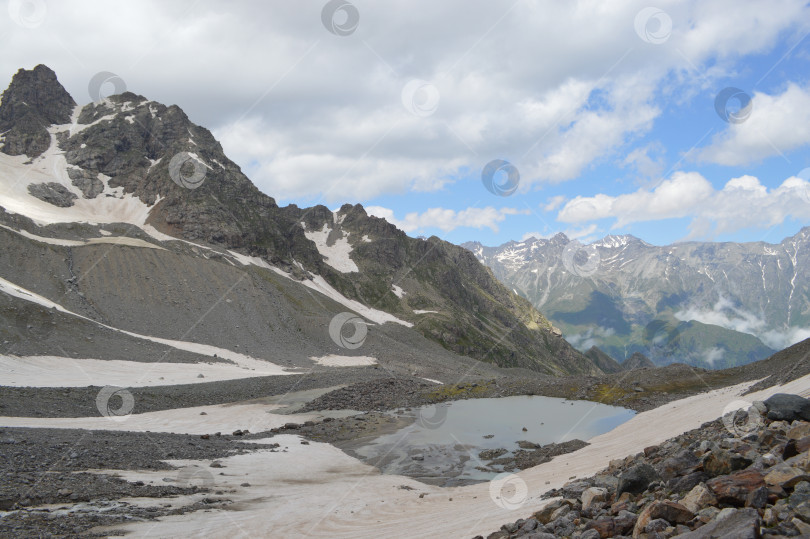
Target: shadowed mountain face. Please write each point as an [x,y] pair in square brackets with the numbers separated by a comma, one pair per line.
[607,364]
[130,160]
[707,304]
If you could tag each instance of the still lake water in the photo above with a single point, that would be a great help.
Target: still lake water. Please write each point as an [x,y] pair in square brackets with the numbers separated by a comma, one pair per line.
[442,445]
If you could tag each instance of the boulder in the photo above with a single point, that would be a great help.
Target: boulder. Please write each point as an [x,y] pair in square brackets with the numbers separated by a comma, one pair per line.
[698,498]
[687,482]
[785,407]
[611,527]
[543,516]
[672,512]
[637,479]
[799,430]
[801,494]
[758,498]
[593,495]
[741,524]
[722,462]
[734,489]
[785,476]
[681,463]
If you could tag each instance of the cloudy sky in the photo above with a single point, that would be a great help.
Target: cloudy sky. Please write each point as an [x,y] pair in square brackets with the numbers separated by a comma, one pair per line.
[682,120]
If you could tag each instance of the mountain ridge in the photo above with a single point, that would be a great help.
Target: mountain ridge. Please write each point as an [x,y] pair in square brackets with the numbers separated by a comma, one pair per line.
[127,159]
[618,292]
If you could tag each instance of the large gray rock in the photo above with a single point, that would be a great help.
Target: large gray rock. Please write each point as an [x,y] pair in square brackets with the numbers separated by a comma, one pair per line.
[741,524]
[33,101]
[52,193]
[637,479]
[785,407]
[87,182]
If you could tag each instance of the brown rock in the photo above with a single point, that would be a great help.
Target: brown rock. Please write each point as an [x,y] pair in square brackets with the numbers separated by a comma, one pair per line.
[735,488]
[798,431]
[611,527]
[722,462]
[698,498]
[785,476]
[672,512]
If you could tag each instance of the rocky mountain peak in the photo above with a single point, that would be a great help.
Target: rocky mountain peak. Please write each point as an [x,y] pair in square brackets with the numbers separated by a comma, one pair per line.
[34,100]
[637,361]
[559,239]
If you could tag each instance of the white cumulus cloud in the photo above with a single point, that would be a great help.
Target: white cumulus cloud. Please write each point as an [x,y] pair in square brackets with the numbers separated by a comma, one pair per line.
[743,202]
[446,219]
[777,125]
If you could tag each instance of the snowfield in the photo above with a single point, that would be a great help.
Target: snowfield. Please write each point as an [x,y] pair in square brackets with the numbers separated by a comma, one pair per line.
[52,371]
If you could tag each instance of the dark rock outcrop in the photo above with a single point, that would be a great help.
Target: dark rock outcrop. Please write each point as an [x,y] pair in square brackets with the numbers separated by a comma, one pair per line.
[33,101]
[637,479]
[52,193]
[788,407]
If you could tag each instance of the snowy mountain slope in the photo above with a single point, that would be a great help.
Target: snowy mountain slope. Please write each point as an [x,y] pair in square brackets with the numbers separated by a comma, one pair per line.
[621,294]
[127,167]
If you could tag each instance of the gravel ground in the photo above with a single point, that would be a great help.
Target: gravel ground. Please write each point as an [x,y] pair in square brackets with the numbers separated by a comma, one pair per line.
[49,467]
[81,401]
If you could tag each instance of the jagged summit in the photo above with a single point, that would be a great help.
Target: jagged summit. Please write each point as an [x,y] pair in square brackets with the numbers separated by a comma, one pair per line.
[34,100]
[126,159]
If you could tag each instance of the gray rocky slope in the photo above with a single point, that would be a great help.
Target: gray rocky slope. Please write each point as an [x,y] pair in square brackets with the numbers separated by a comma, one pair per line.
[708,304]
[205,217]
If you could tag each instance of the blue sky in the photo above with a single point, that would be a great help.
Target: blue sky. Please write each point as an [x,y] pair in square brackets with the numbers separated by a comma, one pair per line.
[606,110]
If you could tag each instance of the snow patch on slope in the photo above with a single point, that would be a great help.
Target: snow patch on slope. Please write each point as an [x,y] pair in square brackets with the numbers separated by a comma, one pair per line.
[333,360]
[336,255]
[51,166]
[52,371]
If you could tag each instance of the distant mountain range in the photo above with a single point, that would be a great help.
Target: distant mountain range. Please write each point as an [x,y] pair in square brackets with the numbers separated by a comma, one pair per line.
[712,305]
